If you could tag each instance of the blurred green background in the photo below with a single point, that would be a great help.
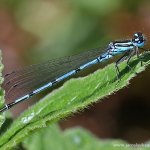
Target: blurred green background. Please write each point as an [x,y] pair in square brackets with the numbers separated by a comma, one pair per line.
[39,30]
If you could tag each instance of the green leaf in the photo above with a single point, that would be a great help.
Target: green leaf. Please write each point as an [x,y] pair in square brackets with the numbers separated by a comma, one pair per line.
[75,139]
[71,139]
[73,96]
[2,117]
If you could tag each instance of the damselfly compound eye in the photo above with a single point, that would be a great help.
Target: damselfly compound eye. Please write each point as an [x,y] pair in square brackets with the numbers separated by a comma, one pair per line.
[138,39]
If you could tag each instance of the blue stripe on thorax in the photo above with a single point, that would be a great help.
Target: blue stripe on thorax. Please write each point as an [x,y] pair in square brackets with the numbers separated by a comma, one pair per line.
[121,46]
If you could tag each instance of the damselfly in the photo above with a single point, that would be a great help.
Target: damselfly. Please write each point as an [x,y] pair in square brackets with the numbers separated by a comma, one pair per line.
[21,85]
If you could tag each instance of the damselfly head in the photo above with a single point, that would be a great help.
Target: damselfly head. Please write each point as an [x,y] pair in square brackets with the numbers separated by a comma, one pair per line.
[138,39]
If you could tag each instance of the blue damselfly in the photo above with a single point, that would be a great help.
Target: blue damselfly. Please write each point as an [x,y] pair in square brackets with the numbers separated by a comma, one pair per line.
[22,84]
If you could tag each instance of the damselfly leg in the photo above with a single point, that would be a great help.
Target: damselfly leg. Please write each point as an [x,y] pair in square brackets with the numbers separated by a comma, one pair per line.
[127,56]
[121,59]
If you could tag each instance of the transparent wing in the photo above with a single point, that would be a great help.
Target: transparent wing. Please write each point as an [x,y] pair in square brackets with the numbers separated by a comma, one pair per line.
[23,81]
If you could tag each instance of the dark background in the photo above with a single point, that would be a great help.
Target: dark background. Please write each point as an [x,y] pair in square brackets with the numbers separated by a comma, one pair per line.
[39,30]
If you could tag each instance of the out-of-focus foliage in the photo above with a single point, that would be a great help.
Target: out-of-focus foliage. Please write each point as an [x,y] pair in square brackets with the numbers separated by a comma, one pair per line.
[72,139]
[62,26]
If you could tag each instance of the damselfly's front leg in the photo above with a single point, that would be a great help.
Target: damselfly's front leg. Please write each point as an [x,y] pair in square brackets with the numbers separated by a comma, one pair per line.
[138,55]
[129,58]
